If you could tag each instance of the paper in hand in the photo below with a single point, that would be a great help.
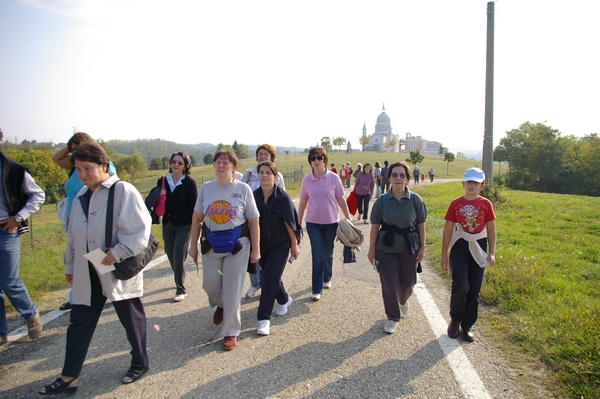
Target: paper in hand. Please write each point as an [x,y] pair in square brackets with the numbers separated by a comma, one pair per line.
[96,257]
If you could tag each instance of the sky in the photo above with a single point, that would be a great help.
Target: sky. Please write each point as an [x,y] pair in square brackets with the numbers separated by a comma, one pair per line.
[288,73]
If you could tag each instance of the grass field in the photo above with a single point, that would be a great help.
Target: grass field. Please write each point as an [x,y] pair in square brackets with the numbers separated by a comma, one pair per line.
[545,285]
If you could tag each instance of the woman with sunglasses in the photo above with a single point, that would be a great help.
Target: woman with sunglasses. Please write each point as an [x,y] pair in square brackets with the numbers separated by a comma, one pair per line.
[321,194]
[397,243]
[181,191]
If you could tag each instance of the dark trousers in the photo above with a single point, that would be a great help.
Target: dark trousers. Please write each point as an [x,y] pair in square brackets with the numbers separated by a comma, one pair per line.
[272,265]
[398,276]
[84,320]
[177,241]
[363,205]
[467,279]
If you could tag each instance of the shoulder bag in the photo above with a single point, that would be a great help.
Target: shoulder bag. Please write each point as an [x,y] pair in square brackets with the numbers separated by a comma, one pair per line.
[129,267]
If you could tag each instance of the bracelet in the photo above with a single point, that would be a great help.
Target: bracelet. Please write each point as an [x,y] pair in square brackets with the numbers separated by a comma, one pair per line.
[423,245]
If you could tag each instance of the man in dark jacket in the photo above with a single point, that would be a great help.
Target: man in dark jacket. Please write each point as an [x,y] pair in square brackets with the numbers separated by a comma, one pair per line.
[19,198]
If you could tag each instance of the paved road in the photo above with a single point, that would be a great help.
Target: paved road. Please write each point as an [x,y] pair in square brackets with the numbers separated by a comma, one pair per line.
[334,348]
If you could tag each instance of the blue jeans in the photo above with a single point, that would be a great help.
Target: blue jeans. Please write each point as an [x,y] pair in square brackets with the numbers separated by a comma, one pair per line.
[255,278]
[10,282]
[321,244]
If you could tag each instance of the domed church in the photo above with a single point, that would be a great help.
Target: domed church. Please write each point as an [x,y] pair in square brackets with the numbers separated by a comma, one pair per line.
[382,137]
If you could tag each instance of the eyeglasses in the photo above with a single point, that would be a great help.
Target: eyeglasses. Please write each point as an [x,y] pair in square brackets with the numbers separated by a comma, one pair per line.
[400,175]
[317,158]
[174,162]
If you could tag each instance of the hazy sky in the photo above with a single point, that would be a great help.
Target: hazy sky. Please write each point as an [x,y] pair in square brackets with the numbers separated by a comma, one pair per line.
[291,72]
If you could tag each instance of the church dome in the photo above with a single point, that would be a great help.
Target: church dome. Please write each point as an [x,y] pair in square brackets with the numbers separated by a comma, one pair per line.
[383,118]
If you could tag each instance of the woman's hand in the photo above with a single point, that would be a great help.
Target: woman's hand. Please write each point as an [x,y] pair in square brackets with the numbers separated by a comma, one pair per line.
[420,254]
[193,252]
[295,251]
[491,260]
[255,255]
[444,262]
[371,255]
[109,260]
[69,278]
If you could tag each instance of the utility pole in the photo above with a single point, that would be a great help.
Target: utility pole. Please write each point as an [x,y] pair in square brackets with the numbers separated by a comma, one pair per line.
[488,135]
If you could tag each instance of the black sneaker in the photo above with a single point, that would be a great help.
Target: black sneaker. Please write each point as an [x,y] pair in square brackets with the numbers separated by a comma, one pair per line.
[65,306]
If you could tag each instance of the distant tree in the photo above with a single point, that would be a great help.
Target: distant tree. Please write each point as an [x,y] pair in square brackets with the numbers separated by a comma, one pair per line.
[448,157]
[364,142]
[339,142]
[415,157]
[165,162]
[193,160]
[241,151]
[48,175]
[132,166]
[442,150]
[500,155]
[207,159]
[222,146]
[287,152]
[326,142]
[156,164]
[392,144]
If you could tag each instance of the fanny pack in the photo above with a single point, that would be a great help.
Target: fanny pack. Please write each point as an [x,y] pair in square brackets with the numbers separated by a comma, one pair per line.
[223,241]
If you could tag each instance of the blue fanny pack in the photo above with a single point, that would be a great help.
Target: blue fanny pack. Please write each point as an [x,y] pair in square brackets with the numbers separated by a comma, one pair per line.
[223,241]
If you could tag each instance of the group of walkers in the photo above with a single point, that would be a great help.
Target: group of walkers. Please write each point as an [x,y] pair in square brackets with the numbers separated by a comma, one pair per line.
[237,225]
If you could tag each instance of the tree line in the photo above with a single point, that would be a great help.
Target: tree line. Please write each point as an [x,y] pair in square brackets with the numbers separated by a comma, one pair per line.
[542,159]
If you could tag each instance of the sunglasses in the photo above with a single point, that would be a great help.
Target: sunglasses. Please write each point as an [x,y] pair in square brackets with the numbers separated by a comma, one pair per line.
[173,162]
[400,175]
[317,158]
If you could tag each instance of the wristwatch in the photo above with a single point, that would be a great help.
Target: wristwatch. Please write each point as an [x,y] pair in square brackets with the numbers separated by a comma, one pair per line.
[18,218]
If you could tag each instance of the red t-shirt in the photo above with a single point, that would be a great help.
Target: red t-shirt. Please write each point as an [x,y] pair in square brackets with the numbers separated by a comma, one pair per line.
[471,214]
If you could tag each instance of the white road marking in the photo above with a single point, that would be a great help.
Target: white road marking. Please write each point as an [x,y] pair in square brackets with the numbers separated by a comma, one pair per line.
[48,317]
[464,373]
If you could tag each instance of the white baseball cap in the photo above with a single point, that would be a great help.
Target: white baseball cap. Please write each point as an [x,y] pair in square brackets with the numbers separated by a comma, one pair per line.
[474,174]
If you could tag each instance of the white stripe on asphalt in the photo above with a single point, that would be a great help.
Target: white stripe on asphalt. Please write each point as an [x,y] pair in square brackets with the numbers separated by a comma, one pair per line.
[48,317]
[464,373]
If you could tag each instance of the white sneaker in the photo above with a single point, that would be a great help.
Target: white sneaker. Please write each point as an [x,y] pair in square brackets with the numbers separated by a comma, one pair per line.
[404,309]
[283,309]
[264,327]
[251,291]
[315,297]
[327,285]
[390,326]
[179,297]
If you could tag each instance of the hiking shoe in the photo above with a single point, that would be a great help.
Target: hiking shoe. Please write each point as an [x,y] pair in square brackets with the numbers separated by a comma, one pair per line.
[468,335]
[251,291]
[315,297]
[453,328]
[65,306]
[228,343]
[218,316]
[283,309]
[404,309]
[134,373]
[264,327]
[390,326]
[327,285]
[179,297]
[34,326]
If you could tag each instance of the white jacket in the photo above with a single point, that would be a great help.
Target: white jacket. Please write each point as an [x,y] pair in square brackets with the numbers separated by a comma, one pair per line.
[131,231]
[479,254]
[349,235]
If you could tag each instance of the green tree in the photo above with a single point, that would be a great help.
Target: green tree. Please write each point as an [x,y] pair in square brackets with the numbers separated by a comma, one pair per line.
[132,166]
[326,143]
[156,164]
[391,144]
[208,159]
[500,156]
[448,157]
[48,175]
[364,142]
[241,151]
[415,157]
[442,150]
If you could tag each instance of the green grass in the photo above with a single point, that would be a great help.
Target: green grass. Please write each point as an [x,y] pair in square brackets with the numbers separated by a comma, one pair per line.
[546,282]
